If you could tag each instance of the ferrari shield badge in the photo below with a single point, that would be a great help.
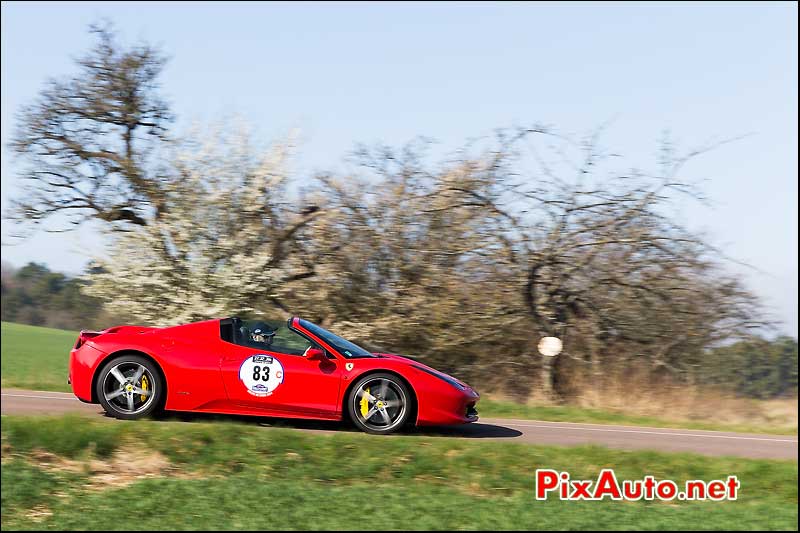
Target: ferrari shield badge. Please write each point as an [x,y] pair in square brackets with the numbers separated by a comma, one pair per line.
[348,366]
[261,374]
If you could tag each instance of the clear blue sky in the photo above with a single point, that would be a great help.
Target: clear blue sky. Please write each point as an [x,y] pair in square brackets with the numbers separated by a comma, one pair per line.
[368,72]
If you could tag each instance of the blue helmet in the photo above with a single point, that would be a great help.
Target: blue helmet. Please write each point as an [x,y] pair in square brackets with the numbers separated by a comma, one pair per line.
[262,333]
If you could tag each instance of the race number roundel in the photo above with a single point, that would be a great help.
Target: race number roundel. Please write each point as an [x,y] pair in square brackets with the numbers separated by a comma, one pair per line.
[261,374]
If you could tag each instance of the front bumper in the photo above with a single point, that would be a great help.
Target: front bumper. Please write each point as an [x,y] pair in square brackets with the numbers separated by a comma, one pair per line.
[459,408]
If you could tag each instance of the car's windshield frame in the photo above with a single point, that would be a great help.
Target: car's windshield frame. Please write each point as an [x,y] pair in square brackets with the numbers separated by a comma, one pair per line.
[347,349]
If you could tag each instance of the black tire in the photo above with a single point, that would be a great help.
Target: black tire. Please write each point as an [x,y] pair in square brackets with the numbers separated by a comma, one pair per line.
[115,400]
[397,403]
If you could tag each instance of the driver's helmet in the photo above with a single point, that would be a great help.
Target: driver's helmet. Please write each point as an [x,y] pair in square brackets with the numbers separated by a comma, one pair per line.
[262,333]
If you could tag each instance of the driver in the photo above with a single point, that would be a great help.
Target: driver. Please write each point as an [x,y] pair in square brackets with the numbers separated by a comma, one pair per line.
[262,333]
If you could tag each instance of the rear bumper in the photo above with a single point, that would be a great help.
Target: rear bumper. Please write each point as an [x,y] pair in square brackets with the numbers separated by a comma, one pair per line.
[82,364]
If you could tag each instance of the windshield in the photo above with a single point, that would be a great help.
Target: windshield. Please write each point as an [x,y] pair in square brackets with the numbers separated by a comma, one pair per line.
[343,346]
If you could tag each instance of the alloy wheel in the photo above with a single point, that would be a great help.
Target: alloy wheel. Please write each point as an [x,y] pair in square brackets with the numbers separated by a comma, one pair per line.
[129,388]
[380,404]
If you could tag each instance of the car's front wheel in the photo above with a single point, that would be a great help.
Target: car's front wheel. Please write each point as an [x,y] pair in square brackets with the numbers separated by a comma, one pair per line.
[379,403]
[129,387]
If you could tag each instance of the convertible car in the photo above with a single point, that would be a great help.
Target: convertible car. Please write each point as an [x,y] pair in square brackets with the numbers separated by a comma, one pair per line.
[293,369]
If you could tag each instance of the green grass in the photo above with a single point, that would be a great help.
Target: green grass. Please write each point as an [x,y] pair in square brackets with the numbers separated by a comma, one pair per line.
[35,358]
[227,475]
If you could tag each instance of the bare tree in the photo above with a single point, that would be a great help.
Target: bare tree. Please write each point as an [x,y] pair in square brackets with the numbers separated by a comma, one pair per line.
[598,245]
[85,143]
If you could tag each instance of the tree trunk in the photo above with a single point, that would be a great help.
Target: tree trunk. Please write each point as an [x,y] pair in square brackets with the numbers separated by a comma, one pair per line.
[547,379]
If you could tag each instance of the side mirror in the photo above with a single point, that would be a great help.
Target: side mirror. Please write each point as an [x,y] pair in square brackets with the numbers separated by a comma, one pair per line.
[315,353]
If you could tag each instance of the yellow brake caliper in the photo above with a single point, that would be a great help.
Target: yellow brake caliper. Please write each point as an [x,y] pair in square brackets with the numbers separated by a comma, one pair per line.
[144,387]
[365,403]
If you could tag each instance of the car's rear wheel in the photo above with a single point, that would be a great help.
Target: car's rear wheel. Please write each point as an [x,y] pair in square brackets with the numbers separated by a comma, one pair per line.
[130,387]
[379,403]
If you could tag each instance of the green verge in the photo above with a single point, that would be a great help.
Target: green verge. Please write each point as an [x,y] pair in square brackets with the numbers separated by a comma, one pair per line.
[37,358]
[227,475]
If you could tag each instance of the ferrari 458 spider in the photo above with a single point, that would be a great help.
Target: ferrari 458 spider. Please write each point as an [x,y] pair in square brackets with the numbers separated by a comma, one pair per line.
[293,369]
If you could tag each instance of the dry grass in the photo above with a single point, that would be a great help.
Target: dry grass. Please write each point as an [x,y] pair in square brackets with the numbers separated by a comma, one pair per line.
[39,513]
[643,396]
[126,466]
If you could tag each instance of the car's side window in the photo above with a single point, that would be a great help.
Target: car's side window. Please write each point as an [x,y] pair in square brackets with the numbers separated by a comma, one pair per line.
[289,342]
[272,336]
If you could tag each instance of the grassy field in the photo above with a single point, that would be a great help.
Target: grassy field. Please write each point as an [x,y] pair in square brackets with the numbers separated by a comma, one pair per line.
[64,473]
[36,358]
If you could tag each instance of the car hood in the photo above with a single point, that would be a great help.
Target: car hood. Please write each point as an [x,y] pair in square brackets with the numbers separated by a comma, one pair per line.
[413,362]
[397,357]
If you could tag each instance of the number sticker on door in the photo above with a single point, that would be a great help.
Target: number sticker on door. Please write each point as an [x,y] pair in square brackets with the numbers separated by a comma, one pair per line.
[261,374]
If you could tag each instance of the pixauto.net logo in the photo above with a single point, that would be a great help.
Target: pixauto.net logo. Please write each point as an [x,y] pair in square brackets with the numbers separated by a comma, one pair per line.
[606,485]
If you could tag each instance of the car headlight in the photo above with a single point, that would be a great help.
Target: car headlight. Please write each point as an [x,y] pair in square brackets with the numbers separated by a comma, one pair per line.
[443,377]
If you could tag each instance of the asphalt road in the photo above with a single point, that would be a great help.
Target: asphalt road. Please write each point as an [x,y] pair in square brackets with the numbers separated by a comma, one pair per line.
[524,431]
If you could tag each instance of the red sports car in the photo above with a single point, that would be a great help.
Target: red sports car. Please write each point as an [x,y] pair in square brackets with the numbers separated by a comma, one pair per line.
[270,368]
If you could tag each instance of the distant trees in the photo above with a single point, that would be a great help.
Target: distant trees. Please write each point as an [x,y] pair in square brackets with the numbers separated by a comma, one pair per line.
[753,367]
[35,295]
